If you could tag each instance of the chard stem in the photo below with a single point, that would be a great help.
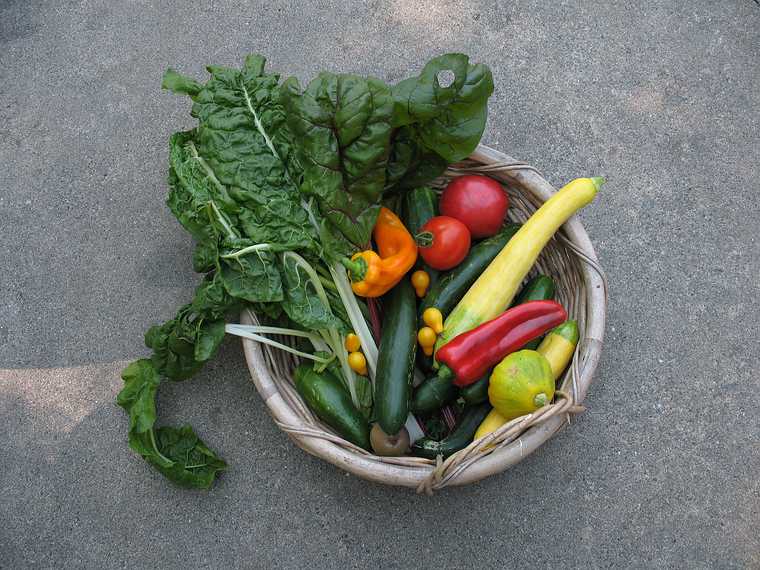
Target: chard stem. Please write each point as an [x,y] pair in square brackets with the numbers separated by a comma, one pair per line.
[155,447]
[222,220]
[274,343]
[356,317]
[264,329]
[246,251]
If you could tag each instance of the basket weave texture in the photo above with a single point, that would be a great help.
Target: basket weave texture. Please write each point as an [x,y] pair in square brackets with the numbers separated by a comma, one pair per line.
[569,259]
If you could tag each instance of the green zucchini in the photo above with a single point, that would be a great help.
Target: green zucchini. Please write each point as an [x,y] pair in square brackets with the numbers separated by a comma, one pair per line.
[432,394]
[460,438]
[326,396]
[477,392]
[452,285]
[540,288]
[418,206]
[395,361]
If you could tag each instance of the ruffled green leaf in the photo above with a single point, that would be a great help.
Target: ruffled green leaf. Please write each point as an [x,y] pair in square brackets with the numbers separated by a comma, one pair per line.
[450,120]
[342,128]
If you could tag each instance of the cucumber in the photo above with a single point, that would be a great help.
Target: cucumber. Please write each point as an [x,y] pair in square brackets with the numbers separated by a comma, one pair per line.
[452,285]
[540,288]
[418,206]
[395,361]
[496,287]
[326,396]
[460,438]
[432,394]
[475,393]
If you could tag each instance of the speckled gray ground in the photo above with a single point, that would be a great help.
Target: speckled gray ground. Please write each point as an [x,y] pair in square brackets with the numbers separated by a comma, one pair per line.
[661,97]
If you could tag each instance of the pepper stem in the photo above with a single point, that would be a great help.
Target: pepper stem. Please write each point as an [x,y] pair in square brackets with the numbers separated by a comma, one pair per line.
[424,239]
[540,400]
[356,269]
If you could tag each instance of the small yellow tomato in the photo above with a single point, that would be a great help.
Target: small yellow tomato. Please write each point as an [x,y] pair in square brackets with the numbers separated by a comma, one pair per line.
[434,319]
[427,337]
[420,282]
[358,363]
[352,342]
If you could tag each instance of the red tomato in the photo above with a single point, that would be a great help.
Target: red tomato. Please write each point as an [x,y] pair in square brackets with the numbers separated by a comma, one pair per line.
[449,242]
[479,202]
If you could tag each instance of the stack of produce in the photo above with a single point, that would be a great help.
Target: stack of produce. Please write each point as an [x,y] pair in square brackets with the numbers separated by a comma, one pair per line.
[315,209]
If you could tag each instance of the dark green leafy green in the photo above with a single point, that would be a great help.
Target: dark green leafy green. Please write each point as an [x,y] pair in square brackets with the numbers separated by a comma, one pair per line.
[301,302]
[242,141]
[212,299]
[178,453]
[252,277]
[411,164]
[138,396]
[182,345]
[447,120]
[342,128]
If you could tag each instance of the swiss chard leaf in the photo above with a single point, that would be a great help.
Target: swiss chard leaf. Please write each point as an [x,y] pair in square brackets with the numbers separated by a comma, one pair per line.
[342,127]
[196,197]
[173,345]
[450,120]
[243,140]
[191,463]
[209,337]
[252,277]
[272,311]
[301,302]
[176,452]
[204,255]
[182,345]
[138,396]
[212,299]
[411,164]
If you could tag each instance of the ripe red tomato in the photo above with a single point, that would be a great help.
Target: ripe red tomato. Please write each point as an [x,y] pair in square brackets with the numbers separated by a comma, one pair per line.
[449,242]
[479,202]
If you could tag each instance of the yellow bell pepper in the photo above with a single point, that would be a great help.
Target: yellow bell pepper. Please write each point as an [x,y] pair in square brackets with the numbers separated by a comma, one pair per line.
[374,274]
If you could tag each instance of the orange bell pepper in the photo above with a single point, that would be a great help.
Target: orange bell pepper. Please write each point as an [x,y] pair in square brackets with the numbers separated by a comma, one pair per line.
[375,273]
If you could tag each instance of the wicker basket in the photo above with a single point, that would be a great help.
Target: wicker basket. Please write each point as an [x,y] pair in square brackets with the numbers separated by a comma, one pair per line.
[581,288]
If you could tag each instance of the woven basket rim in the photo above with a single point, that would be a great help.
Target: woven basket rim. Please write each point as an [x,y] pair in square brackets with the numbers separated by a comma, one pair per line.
[526,179]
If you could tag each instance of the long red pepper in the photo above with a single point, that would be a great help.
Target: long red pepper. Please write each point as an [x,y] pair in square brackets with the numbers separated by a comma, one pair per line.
[470,355]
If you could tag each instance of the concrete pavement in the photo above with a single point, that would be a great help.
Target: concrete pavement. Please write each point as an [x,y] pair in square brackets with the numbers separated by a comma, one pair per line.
[662,98]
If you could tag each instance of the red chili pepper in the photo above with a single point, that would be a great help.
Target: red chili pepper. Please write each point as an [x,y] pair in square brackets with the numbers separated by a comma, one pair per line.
[470,355]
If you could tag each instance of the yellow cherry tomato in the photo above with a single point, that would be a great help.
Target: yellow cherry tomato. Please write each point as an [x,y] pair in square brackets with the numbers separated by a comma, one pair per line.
[358,363]
[427,337]
[434,319]
[420,282]
[352,343]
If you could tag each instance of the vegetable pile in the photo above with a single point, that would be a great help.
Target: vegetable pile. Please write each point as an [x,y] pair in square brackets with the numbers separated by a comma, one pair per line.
[311,207]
